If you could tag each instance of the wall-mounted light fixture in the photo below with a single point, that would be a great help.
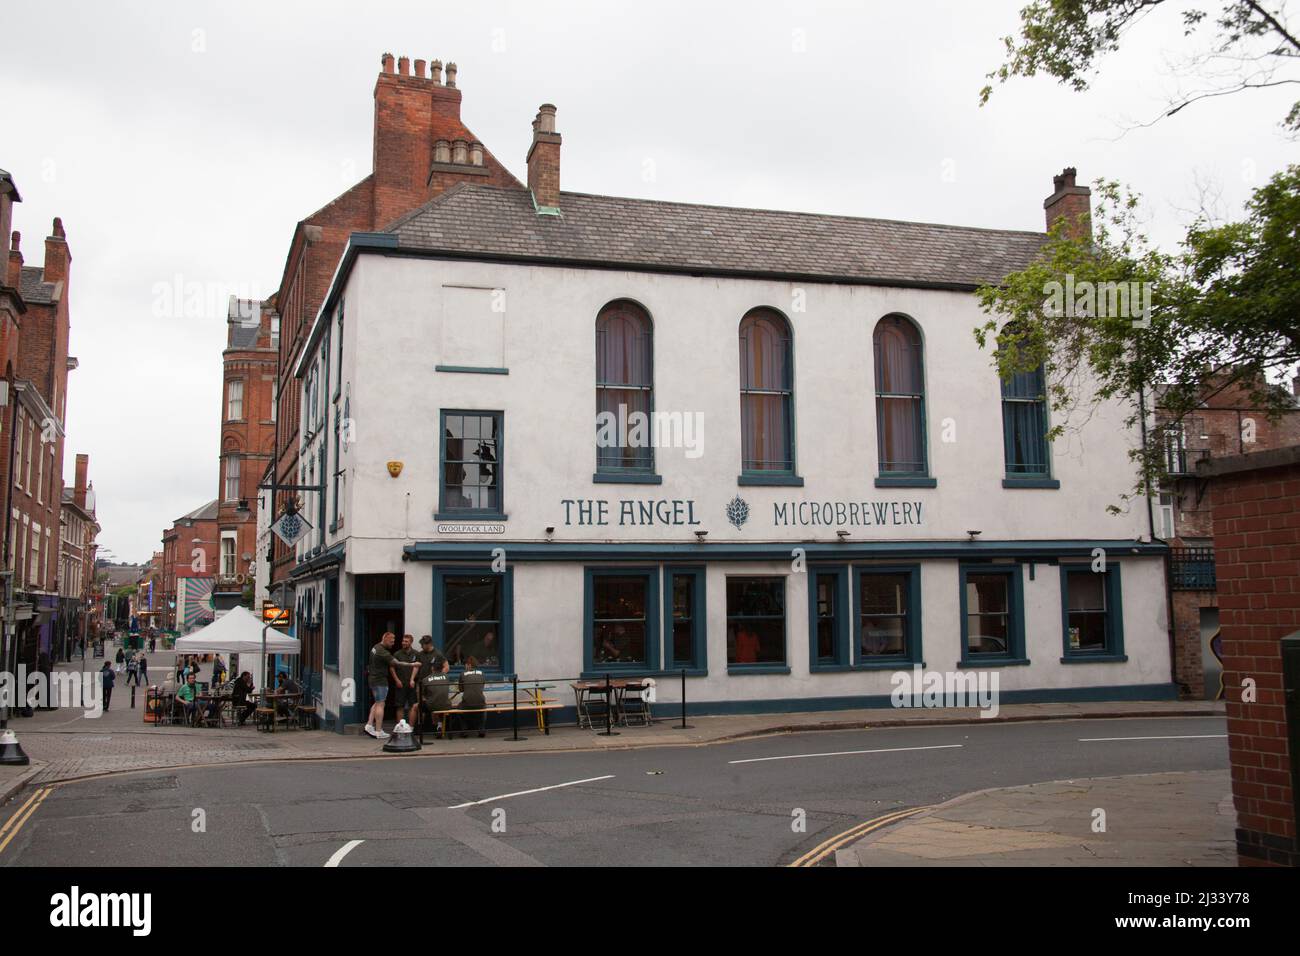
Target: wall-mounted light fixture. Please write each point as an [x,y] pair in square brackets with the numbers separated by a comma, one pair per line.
[701,535]
[842,534]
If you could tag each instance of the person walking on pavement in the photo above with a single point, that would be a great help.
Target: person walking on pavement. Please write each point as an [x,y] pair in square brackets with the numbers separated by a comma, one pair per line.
[142,668]
[120,658]
[132,672]
[109,678]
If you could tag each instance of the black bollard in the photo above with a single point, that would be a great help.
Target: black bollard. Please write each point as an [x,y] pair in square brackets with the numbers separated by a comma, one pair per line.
[684,725]
[133,697]
[609,710]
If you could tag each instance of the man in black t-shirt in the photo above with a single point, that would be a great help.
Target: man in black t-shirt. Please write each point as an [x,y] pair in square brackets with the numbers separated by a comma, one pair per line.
[381,659]
[403,670]
[435,691]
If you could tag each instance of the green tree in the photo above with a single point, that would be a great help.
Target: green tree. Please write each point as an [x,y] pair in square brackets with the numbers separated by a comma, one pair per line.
[1224,312]
[1251,46]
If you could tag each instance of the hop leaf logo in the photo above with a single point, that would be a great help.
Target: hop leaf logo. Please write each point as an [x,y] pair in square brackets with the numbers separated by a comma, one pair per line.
[737,511]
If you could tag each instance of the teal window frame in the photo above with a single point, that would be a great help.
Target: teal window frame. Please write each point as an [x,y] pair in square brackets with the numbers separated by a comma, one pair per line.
[623,474]
[1020,391]
[900,477]
[698,665]
[593,669]
[338,385]
[506,625]
[913,633]
[1015,653]
[452,514]
[771,476]
[765,667]
[842,619]
[1113,590]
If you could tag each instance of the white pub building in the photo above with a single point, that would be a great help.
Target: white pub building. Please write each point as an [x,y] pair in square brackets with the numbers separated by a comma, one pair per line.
[574,435]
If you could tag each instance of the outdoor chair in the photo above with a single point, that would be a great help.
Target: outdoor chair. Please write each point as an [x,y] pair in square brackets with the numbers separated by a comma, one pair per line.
[634,709]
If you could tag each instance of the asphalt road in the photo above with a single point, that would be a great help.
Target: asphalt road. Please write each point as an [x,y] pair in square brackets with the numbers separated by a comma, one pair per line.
[675,805]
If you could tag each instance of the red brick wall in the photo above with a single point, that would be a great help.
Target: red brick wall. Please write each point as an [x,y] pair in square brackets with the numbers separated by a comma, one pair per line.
[1257,556]
[1189,667]
[412,112]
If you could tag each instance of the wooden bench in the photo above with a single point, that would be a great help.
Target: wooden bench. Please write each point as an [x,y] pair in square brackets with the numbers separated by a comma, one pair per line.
[498,707]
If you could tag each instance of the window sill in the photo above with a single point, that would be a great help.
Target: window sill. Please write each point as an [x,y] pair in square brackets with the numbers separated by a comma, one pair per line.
[471,517]
[1095,659]
[886,481]
[829,668]
[891,664]
[1030,483]
[976,663]
[616,672]
[775,479]
[690,672]
[740,670]
[472,369]
[627,478]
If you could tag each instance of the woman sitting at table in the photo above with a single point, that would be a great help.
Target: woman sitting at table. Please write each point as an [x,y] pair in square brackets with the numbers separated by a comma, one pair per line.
[471,691]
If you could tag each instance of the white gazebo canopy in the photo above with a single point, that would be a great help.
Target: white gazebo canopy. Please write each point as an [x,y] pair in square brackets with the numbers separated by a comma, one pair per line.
[238,631]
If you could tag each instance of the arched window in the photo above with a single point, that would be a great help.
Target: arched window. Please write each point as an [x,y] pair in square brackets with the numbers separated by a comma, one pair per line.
[624,389]
[766,393]
[1024,425]
[900,397]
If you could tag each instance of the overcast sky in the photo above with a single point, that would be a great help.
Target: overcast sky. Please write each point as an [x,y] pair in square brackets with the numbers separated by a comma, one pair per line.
[181,142]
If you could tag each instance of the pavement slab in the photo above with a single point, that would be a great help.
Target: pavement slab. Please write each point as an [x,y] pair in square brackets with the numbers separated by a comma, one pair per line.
[1158,819]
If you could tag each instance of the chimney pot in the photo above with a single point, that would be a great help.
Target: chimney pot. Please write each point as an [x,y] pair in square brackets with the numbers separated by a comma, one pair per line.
[58,228]
[435,71]
[16,240]
[442,151]
[404,65]
[546,118]
[419,68]
[476,153]
[460,152]
[387,62]
[451,74]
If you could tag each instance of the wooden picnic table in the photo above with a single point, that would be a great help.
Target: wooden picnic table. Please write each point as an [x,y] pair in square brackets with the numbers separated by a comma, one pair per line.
[268,701]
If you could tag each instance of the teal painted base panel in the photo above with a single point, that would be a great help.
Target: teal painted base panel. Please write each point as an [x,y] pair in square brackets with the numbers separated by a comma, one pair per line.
[668,711]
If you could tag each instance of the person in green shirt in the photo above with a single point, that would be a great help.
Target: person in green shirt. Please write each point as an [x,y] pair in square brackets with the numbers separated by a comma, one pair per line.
[187,697]
[403,670]
[377,673]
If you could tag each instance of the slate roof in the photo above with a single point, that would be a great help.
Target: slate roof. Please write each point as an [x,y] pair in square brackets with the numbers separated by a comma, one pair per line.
[206,512]
[473,219]
[34,287]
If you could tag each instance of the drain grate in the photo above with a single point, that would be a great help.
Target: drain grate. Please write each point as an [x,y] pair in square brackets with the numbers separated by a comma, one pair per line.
[146,785]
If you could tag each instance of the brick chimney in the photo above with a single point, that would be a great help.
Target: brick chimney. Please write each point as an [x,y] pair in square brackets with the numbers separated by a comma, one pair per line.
[14,277]
[79,487]
[8,196]
[412,111]
[1070,202]
[57,256]
[544,162]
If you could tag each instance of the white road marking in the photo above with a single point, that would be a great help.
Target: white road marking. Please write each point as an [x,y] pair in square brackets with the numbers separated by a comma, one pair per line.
[847,753]
[1184,737]
[343,851]
[523,793]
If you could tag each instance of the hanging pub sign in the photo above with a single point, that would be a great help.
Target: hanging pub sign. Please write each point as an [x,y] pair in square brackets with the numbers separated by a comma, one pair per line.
[278,616]
[291,528]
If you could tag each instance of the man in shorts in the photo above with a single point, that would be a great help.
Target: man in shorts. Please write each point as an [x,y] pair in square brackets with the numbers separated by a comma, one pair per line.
[403,671]
[381,659]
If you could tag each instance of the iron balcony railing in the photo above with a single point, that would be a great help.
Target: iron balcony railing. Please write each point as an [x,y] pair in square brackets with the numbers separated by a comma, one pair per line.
[1191,569]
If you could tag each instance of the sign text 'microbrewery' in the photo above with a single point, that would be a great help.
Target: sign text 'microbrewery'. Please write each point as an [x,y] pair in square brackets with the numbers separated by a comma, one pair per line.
[846,514]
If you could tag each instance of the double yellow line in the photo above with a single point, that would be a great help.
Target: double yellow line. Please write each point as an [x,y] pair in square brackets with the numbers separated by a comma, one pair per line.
[826,848]
[22,815]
